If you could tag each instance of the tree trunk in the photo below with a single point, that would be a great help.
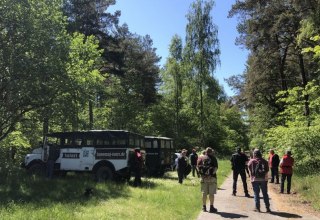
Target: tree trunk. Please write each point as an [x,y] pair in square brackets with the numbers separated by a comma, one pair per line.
[90,115]
[304,84]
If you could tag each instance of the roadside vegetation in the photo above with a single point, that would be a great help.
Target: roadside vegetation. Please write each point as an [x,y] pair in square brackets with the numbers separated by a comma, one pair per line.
[309,189]
[29,198]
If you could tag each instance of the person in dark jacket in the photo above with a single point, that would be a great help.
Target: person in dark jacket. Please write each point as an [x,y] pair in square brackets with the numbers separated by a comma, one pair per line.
[238,164]
[54,153]
[138,165]
[182,165]
[193,160]
[274,166]
[286,171]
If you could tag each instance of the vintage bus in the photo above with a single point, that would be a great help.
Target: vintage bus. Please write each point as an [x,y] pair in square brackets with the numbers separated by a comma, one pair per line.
[159,155]
[105,153]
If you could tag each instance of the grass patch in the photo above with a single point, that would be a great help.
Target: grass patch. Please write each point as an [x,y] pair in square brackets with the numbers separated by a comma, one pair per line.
[309,188]
[25,198]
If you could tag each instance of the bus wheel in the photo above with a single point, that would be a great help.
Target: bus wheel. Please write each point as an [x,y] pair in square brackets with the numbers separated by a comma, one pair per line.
[104,173]
[37,169]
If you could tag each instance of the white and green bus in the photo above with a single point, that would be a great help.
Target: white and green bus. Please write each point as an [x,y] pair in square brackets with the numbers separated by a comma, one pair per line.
[105,153]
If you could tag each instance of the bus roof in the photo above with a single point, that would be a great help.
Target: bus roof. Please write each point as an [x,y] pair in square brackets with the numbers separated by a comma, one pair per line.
[109,133]
[154,137]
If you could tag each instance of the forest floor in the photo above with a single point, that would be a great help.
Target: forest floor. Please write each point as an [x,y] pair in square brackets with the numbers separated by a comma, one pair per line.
[283,206]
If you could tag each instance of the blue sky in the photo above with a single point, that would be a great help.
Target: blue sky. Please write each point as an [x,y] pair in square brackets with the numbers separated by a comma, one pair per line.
[162,19]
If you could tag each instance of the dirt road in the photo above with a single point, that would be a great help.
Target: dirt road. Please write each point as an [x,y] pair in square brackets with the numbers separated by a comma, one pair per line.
[283,206]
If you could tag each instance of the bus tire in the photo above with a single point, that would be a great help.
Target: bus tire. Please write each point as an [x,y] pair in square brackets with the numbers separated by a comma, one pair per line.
[103,174]
[37,169]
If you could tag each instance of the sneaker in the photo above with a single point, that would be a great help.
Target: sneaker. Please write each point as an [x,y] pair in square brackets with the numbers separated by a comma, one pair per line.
[204,208]
[271,182]
[288,192]
[268,210]
[213,209]
[247,195]
[281,192]
[256,209]
[234,194]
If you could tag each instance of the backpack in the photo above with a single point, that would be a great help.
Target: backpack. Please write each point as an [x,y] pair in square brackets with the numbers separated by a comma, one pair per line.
[260,170]
[206,169]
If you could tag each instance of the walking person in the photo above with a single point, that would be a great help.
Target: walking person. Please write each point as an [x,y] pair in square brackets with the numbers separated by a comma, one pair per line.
[259,168]
[208,166]
[274,166]
[182,165]
[193,160]
[238,164]
[286,171]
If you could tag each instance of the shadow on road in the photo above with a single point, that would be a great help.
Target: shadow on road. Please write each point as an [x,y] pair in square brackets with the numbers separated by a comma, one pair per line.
[231,215]
[286,215]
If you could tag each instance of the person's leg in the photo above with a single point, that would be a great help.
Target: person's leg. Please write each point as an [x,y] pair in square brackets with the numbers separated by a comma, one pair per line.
[180,175]
[256,190]
[277,175]
[283,179]
[264,189]
[235,179]
[193,170]
[244,182]
[205,191]
[272,175]
[289,183]
[212,191]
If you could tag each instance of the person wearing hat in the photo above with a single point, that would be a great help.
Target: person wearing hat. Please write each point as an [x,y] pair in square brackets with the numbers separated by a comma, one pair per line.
[259,169]
[286,171]
[238,164]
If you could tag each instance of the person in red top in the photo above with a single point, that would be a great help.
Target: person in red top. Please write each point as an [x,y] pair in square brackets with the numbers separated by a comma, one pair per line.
[286,165]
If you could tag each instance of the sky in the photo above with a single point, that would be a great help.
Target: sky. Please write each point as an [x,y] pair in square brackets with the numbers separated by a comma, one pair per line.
[162,19]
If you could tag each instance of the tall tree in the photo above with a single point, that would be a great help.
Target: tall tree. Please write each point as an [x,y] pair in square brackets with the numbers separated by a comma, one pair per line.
[174,69]
[202,50]
[32,63]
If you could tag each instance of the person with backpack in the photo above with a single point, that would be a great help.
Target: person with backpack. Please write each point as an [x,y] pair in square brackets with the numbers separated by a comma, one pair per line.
[274,166]
[286,171]
[208,166]
[193,160]
[259,169]
[238,164]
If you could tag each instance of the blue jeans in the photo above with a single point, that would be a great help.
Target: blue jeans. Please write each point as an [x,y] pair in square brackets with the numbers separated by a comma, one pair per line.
[263,185]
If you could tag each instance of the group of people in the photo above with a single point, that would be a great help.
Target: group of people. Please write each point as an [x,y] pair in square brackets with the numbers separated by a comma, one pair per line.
[258,169]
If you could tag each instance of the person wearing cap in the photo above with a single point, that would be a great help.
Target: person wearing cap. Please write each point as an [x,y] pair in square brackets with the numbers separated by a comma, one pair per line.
[238,164]
[274,166]
[286,171]
[208,166]
[259,182]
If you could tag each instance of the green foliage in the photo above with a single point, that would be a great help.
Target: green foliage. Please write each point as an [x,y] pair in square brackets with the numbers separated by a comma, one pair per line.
[63,198]
[308,186]
[33,45]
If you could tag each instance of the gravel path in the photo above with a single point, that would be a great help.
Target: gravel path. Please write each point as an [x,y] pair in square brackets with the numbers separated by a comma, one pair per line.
[241,207]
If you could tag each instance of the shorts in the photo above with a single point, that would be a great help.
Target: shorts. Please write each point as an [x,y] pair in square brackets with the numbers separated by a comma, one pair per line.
[209,188]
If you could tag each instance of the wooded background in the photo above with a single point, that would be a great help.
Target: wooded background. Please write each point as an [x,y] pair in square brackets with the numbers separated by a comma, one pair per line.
[70,65]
